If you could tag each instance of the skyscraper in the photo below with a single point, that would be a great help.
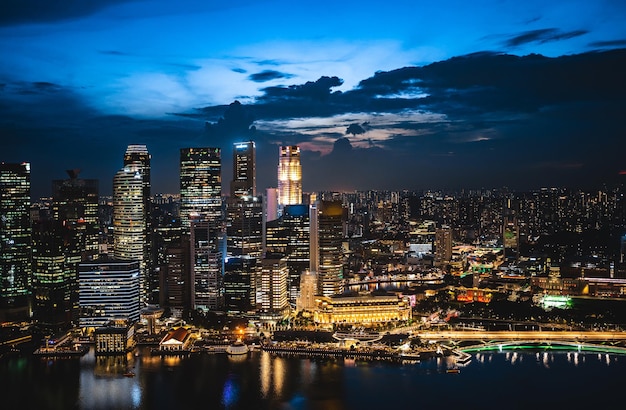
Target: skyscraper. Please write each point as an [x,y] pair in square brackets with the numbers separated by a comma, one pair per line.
[330,236]
[202,220]
[15,237]
[138,154]
[75,205]
[244,170]
[443,245]
[289,176]
[244,225]
[108,290]
[129,224]
[200,185]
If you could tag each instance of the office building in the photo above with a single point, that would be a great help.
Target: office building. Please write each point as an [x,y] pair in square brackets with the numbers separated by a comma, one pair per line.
[138,154]
[108,291]
[207,266]
[289,176]
[129,224]
[330,221]
[443,245]
[200,185]
[274,302]
[75,205]
[241,280]
[244,170]
[15,238]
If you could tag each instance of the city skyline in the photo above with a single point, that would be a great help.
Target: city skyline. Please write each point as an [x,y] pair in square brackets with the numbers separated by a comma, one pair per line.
[409,96]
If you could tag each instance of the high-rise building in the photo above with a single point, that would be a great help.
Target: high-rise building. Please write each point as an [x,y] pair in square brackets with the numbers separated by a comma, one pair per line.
[271,204]
[207,267]
[244,170]
[330,222]
[308,291]
[443,245]
[138,154]
[274,302]
[200,185]
[241,276]
[108,290]
[56,250]
[244,210]
[289,176]
[15,239]
[244,228]
[129,224]
[75,205]
[176,283]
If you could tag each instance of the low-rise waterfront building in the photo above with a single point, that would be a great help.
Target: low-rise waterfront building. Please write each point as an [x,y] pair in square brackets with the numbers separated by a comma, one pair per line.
[365,310]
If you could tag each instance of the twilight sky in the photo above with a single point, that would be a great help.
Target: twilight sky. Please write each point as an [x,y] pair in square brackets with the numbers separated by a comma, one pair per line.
[394,95]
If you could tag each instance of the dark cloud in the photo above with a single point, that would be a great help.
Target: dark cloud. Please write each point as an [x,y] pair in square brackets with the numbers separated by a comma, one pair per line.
[268,75]
[355,129]
[612,43]
[38,11]
[542,36]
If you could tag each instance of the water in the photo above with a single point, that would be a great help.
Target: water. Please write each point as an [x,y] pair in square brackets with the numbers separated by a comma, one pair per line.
[492,380]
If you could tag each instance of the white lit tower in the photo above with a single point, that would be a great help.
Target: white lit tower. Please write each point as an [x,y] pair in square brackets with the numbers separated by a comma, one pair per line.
[129,224]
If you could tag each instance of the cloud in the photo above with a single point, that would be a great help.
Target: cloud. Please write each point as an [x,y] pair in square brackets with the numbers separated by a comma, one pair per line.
[37,11]
[611,43]
[541,36]
[268,75]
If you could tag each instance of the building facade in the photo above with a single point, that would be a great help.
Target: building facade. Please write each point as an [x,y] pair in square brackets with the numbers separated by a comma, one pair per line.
[289,176]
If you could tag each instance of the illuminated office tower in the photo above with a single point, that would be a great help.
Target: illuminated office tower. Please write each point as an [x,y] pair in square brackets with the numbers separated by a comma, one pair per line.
[274,302]
[15,238]
[200,185]
[241,278]
[244,228]
[308,291]
[175,293]
[244,170]
[138,153]
[244,222]
[443,245]
[75,205]
[289,235]
[56,253]
[330,237]
[510,231]
[289,176]
[108,290]
[129,224]
[207,281]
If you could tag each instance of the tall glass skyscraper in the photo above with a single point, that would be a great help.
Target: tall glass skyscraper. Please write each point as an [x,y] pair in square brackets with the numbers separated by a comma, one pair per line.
[138,154]
[202,220]
[15,237]
[330,236]
[129,224]
[244,170]
[200,185]
[289,176]
[75,205]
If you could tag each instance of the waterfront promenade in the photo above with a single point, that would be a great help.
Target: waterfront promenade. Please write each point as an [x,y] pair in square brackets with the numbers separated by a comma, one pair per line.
[529,335]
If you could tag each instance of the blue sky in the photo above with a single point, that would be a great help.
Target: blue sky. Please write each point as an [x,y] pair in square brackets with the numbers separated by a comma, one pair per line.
[380,95]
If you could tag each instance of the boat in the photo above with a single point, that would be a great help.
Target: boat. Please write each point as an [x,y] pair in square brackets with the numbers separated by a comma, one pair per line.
[129,374]
[453,370]
[237,348]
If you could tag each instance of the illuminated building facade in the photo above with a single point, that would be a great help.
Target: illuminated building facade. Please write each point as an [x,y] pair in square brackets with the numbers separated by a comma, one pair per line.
[289,176]
[129,224]
[207,281]
[56,252]
[175,278]
[308,291]
[443,245]
[15,238]
[200,185]
[241,275]
[362,310]
[244,170]
[138,154]
[108,291]
[273,296]
[75,204]
[330,220]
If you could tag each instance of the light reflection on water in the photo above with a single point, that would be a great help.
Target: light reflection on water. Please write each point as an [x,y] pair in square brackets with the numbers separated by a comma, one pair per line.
[261,380]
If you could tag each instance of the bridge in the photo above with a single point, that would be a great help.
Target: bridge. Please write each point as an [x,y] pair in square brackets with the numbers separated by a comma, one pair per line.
[547,345]
[483,336]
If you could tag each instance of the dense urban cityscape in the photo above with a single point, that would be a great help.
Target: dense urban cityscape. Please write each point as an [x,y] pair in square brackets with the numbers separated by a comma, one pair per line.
[287,259]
